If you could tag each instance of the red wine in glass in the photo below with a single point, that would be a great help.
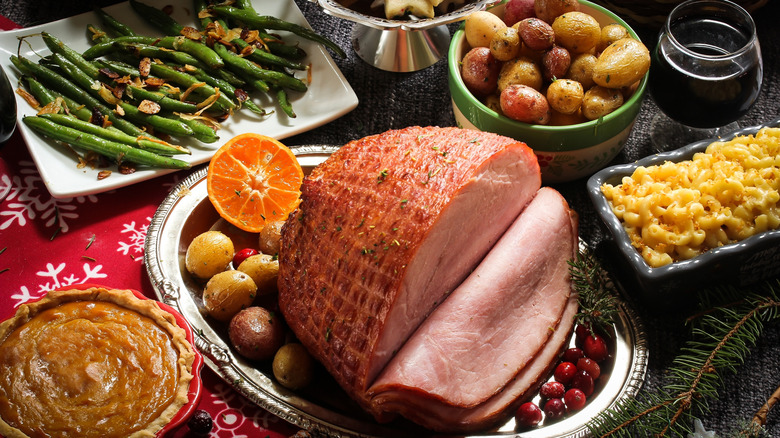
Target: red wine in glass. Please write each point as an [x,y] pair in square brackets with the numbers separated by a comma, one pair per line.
[706,70]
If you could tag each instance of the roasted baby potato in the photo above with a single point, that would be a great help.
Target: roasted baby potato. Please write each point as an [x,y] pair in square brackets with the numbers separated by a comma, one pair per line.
[208,254]
[256,333]
[565,96]
[621,64]
[525,104]
[264,270]
[581,69]
[549,10]
[522,71]
[600,101]
[506,44]
[227,293]
[577,31]
[479,70]
[480,27]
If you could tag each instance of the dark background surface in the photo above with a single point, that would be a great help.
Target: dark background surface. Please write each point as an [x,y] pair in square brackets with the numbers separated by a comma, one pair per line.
[396,100]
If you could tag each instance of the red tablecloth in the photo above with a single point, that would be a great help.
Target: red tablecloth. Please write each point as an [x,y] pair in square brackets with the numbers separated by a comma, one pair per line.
[46,243]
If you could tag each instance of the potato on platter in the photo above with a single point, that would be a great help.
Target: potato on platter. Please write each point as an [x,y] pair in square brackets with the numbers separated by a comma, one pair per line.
[264,270]
[270,235]
[293,367]
[208,254]
[227,293]
[256,333]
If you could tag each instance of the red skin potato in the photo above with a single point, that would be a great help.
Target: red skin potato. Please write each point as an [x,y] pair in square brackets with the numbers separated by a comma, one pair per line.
[516,10]
[524,104]
[256,333]
[536,34]
[555,63]
[479,70]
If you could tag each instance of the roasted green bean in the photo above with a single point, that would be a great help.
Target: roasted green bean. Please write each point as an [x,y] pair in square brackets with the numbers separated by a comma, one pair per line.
[116,151]
[254,20]
[158,147]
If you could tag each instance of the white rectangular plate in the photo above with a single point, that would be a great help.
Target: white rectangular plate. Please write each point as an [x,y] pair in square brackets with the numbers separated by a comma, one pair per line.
[328,97]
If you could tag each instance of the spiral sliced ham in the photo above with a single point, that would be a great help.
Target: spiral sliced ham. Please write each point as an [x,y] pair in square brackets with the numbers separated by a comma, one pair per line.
[388,227]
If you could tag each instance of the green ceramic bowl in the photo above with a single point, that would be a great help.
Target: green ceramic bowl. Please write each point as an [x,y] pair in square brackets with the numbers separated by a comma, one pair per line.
[565,153]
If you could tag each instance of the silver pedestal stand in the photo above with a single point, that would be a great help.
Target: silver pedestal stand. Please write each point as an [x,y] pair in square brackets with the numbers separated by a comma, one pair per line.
[401,45]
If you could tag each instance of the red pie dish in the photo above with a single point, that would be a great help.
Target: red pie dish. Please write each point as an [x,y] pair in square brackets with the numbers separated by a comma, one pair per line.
[89,360]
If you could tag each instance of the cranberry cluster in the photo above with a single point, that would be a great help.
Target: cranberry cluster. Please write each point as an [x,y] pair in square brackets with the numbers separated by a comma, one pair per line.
[572,383]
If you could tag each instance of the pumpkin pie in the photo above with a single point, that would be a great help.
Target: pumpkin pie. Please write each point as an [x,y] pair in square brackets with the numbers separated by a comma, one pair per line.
[92,363]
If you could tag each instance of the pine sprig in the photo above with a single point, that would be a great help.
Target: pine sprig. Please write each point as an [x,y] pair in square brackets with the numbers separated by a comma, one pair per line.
[597,296]
[721,339]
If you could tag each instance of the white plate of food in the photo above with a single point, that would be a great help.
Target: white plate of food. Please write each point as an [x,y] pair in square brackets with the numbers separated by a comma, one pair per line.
[323,406]
[328,97]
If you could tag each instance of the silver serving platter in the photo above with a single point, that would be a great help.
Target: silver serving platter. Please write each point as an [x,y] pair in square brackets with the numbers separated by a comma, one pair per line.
[323,408]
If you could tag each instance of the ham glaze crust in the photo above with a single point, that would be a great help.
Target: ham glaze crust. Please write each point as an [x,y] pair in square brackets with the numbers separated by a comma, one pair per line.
[388,227]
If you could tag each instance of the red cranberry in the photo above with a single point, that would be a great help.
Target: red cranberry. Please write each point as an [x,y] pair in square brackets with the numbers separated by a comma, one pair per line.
[583,381]
[528,415]
[582,331]
[554,409]
[552,390]
[595,347]
[589,365]
[243,255]
[200,423]
[575,400]
[573,354]
[564,372]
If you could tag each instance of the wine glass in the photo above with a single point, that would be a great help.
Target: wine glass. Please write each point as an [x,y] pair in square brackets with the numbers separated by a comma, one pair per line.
[706,72]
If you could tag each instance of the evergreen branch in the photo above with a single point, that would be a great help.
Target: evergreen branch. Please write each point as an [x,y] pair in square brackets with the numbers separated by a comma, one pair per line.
[597,294]
[721,340]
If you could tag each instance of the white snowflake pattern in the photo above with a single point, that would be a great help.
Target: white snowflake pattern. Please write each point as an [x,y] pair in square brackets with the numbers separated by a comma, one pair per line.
[56,279]
[231,418]
[25,201]
[137,235]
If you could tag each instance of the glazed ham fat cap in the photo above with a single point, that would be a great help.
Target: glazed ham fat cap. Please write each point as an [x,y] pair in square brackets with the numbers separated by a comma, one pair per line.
[387,228]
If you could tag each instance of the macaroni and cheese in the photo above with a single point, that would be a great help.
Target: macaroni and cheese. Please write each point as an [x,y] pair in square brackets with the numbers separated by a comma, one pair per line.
[676,211]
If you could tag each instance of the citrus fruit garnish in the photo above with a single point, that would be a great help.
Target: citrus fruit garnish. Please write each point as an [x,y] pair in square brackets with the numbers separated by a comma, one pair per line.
[252,180]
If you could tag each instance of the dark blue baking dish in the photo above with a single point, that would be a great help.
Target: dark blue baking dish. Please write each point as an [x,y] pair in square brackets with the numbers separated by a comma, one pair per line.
[740,264]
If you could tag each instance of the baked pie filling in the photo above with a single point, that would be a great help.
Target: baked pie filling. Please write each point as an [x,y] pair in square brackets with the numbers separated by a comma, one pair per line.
[93,362]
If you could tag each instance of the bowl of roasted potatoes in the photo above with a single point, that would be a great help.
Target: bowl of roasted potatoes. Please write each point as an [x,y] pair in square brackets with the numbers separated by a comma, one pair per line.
[566,77]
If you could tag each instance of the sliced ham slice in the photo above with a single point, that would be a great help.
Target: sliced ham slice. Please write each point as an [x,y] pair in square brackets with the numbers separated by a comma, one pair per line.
[495,335]
[388,226]
[497,319]
[445,418]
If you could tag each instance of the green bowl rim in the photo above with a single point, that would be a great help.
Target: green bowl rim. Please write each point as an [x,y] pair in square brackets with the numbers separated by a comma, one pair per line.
[635,99]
